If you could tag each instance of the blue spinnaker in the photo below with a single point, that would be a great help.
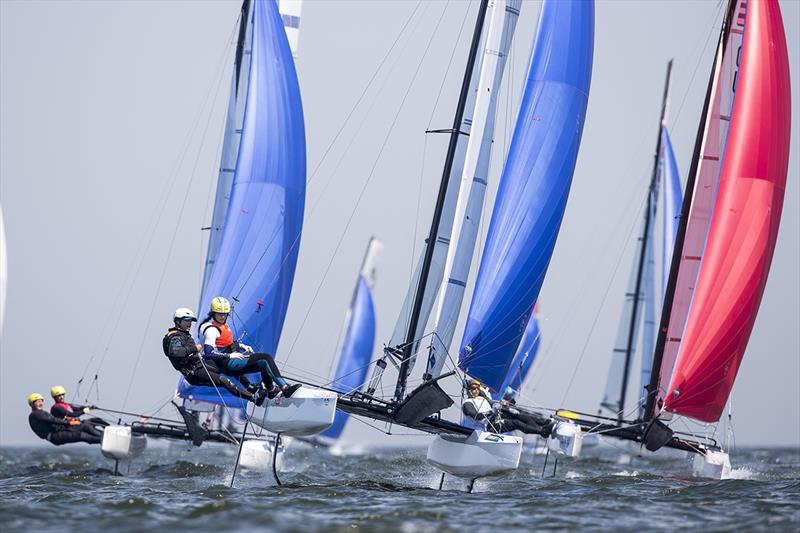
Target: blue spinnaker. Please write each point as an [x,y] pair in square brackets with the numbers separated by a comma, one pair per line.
[258,249]
[673,198]
[533,189]
[354,358]
[526,354]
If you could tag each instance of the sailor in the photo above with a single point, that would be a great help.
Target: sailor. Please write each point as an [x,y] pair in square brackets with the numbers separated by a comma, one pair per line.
[235,358]
[184,354]
[62,409]
[499,417]
[59,430]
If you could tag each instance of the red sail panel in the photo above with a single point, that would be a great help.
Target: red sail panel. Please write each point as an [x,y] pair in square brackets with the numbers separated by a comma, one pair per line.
[705,193]
[744,224]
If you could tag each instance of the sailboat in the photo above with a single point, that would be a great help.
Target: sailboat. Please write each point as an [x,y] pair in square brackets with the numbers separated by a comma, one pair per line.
[525,221]
[355,352]
[725,239]
[255,234]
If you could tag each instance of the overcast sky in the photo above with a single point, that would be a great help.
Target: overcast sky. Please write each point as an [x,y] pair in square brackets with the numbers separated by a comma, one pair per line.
[110,127]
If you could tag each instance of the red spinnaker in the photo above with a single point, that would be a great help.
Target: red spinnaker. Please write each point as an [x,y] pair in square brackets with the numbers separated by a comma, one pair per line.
[744,225]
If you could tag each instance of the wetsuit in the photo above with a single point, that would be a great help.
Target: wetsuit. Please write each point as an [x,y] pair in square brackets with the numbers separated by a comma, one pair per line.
[218,345]
[180,349]
[58,430]
[508,419]
[71,410]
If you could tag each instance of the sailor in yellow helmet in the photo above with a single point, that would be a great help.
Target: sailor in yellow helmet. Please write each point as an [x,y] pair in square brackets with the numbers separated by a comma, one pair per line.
[235,358]
[59,430]
[61,408]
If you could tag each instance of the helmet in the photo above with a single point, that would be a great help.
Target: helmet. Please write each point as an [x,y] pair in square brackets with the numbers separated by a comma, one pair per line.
[33,397]
[220,305]
[184,312]
[468,384]
[58,390]
[509,392]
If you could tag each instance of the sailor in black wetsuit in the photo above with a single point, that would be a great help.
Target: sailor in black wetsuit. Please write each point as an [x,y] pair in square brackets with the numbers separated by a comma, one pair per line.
[501,418]
[184,354]
[59,430]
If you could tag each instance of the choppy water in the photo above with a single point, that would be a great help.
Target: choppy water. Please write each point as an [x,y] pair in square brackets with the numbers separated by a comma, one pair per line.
[73,489]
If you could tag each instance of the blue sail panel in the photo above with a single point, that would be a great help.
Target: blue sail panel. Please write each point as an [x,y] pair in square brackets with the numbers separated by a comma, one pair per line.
[525,356]
[354,358]
[673,198]
[257,256]
[533,189]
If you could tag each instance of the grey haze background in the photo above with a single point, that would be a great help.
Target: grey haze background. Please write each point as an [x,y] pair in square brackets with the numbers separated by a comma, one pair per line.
[112,116]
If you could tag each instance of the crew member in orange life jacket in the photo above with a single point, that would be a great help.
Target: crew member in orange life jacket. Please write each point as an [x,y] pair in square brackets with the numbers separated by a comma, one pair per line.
[62,409]
[235,358]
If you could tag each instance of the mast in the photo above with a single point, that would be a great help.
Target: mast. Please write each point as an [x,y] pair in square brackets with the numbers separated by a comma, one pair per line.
[666,310]
[642,255]
[437,213]
[243,18]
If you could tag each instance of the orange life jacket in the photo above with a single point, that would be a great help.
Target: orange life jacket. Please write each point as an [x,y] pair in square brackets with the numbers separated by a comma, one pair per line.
[225,338]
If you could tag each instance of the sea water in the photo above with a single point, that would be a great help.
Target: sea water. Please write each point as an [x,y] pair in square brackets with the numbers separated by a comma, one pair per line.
[72,488]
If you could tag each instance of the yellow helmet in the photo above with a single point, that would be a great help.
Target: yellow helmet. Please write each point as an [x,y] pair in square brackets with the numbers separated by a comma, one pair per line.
[33,397]
[58,390]
[220,305]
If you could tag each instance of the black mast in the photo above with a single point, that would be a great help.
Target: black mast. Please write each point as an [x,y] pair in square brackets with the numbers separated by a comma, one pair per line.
[643,253]
[243,20]
[688,196]
[430,243]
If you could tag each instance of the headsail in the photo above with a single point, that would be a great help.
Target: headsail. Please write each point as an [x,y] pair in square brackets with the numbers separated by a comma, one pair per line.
[261,237]
[526,353]
[704,175]
[533,190]
[745,221]
[359,338]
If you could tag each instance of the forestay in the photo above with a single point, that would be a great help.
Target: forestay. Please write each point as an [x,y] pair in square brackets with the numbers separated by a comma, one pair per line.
[533,190]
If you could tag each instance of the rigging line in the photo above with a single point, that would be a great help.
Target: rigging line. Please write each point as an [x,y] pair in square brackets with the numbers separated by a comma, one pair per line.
[157,214]
[414,237]
[366,184]
[171,247]
[364,92]
[697,64]
[609,283]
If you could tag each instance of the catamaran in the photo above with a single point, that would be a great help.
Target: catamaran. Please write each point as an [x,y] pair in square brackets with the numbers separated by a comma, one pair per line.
[724,243]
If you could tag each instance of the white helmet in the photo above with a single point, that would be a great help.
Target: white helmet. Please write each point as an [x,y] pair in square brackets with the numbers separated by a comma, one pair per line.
[183,313]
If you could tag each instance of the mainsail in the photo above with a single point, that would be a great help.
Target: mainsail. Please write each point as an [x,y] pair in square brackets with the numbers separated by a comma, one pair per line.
[260,239]
[745,221]
[533,190]
[526,353]
[359,338]
[474,180]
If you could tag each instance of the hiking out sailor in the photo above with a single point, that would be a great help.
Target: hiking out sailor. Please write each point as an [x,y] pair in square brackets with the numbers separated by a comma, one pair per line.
[62,409]
[498,418]
[184,355]
[59,430]
[235,358]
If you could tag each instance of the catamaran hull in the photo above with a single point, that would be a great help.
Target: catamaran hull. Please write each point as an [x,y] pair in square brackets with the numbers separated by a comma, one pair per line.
[480,454]
[257,455]
[714,464]
[120,443]
[308,412]
[566,439]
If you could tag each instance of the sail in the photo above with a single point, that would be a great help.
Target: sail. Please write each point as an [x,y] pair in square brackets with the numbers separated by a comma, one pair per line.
[356,352]
[671,184]
[533,190]
[649,324]
[745,222]
[230,141]
[526,353]
[261,235]
[502,18]
[705,191]
[290,14]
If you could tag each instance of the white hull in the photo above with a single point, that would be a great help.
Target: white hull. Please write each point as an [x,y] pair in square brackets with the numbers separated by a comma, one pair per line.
[481,454]
[308,412]
[120,444]
[714,464]
[257,455]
